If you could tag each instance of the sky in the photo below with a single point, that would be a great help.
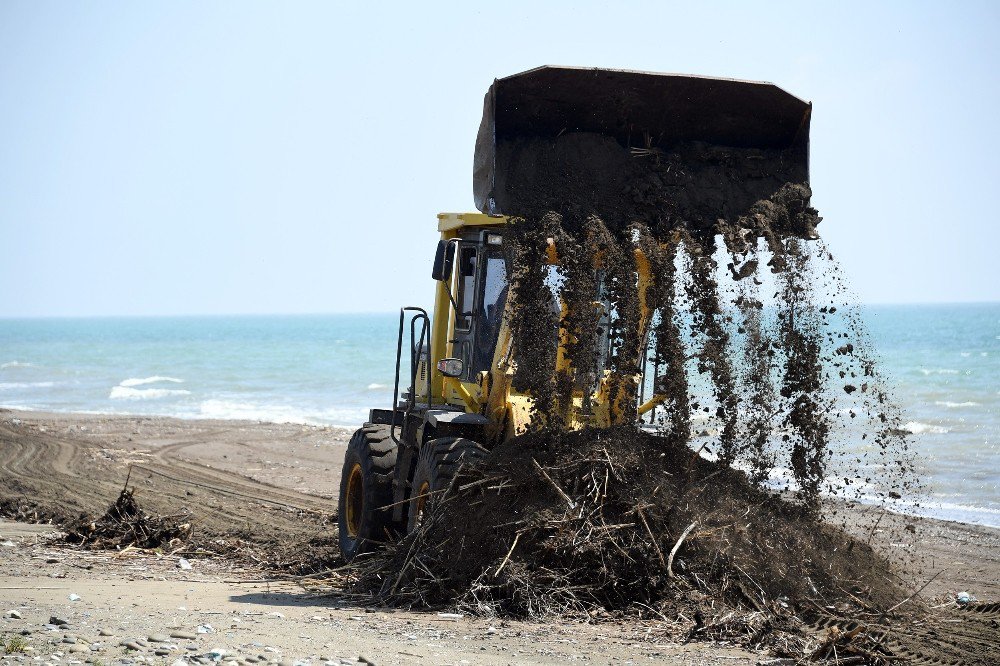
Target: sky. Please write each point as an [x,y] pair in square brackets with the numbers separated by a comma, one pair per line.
[261,157]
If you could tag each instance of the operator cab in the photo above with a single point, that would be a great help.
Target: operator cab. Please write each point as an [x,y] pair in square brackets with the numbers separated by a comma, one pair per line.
[474,270]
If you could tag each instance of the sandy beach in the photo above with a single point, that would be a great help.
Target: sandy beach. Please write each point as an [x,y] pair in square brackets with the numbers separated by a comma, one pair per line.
[261,498]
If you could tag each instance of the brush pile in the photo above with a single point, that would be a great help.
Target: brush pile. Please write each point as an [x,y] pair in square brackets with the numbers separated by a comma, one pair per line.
[592,522]
[125,524]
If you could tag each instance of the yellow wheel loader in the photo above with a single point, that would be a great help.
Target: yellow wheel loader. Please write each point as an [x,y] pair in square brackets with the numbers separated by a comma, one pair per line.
[457,363]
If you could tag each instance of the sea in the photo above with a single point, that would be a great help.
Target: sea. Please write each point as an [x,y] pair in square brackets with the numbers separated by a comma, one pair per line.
[942,363]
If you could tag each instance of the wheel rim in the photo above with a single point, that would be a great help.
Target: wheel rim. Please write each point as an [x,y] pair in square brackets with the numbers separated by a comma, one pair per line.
[355,504]
[422,491]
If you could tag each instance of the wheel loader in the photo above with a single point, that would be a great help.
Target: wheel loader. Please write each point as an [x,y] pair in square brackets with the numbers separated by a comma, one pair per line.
[456,364]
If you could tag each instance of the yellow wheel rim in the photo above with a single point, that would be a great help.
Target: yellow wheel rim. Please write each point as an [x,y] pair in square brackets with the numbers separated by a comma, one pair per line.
[355,502]
[422,491]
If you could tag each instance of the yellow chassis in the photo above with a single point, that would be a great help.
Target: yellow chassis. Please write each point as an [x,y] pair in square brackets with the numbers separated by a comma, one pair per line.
[507,410]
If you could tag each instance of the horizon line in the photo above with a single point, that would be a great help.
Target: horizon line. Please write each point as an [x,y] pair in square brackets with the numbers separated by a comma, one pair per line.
[396,311]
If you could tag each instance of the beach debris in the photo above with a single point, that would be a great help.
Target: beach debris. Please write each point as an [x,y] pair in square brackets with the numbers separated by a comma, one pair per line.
[633,496]
[183,564]
[126,525]
[73,597]
[13,614]
[205,629]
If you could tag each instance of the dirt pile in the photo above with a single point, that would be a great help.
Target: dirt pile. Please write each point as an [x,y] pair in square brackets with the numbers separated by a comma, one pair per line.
[619,521]
[125,524]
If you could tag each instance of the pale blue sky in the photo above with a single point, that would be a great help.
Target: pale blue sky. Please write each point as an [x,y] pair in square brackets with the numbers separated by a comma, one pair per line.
[247,157]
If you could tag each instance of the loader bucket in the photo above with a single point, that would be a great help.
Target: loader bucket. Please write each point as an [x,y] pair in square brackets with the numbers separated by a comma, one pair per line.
[637,109]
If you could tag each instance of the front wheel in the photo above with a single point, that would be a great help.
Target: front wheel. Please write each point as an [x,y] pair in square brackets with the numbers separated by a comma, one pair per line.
[365,489]
[439,461]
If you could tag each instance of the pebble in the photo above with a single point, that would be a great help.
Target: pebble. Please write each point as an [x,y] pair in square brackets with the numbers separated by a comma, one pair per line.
[161,652]
[186,635]
[58,621]
[78,647]
[105,632]
[132,645]
[157,638]
[13,614]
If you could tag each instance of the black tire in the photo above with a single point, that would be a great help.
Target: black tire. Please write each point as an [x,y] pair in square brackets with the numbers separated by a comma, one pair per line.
[437,464]
[366,487]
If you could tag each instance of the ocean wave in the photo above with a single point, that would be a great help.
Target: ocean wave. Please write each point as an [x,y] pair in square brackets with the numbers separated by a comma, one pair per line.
[15,364]
[948,403]
[129,393]
[938,371]
[246,411]
[23,385]
[132,381]
[377,387]
[918,428]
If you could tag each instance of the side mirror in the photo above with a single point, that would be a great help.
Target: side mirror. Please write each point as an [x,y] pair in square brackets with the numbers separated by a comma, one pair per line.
[443,260]
[451,367]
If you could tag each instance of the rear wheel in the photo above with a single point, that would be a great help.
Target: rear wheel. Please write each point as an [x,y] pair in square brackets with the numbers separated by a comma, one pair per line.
[439,461]
[365,488]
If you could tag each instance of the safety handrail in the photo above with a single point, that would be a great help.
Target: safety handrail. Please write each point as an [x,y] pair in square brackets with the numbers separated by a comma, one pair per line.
[425,333]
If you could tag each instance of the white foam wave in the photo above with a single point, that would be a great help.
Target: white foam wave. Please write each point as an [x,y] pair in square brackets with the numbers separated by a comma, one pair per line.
[15,364]
[129,393]
[133,381]
[938,371]
[377,387]
[246,411]
[948,403]
[918,428]
[23,385]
